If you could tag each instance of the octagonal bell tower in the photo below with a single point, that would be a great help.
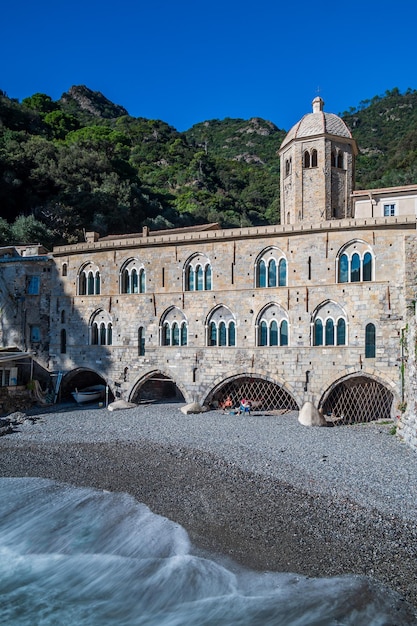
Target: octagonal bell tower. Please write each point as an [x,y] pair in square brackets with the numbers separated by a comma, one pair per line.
[317,168]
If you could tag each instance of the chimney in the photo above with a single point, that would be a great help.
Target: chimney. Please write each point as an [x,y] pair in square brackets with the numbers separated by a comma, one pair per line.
[91,237]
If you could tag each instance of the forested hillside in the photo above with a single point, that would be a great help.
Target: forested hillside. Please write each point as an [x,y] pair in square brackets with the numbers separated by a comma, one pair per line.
[83,163]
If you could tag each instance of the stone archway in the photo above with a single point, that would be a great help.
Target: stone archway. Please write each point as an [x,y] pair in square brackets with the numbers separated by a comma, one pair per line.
[156,387]
[264,395]
[357,399]
[79,379]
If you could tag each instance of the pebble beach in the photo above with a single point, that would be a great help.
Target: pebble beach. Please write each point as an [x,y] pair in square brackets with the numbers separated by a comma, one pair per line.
[260,489]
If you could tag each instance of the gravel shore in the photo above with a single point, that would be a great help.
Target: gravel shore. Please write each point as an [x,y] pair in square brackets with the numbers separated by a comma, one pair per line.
[262,489]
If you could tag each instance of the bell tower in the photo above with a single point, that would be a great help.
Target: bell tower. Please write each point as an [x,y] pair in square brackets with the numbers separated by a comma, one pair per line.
[317,168]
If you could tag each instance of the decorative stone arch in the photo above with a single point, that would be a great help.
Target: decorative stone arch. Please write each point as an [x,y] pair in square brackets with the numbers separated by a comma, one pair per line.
[100,328]
[220,327]
[132,277]
[157,385]
[173,328]
[325,311]
[360,396]
[89,279]
[82,377]
[263,392]
[198,273]
[271,268]
[272,312]
[355,262]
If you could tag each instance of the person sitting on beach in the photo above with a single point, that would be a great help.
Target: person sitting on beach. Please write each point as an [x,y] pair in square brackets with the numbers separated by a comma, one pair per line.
[244,406]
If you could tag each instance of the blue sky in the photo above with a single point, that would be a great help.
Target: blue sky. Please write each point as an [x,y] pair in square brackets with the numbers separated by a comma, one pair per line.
[186,61]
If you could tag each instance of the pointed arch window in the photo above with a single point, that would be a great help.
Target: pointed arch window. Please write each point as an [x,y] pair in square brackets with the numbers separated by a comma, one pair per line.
[132,277]
[272,326]
[314,158]
[89,280]
[198,274]
[355,263]
[329,325]
[271,269]
[306,159]
[221,328]
[101,329]
[174,328]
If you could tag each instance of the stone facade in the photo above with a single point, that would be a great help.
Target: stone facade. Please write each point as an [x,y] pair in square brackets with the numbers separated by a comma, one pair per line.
[318,306]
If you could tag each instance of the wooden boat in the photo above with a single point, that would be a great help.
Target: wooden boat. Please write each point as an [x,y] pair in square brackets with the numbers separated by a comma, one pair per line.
[88,394]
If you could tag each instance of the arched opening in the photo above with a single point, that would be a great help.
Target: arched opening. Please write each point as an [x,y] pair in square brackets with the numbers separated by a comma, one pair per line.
[157,388]
[263,395]
[358,399]
[81,379]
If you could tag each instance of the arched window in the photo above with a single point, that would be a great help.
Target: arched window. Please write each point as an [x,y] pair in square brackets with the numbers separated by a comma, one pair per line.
[288,166]
[272,273]
[101,329]
[282,273]
[271,269]
[89,280]
[132,277]
[333,159]
[63,316]
[261,273]
[343,269]
[198,274]
[221,327]
[263,333]
[272,326]
[173,328]
[370,341]
[355,263]
[318,333]
[141,341]
[63,341]
[273,333]
[314,158]
[340,160]
[325,330]
[367,266]
[355,268]
[329,332]
[64,269]
[341,332]
[306,159]
[284,333]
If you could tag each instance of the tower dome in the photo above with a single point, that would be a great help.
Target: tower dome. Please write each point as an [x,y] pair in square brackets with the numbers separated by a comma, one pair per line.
[317,123]
[317,168]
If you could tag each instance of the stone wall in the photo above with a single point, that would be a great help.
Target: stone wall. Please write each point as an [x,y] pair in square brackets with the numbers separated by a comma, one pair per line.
[197,368]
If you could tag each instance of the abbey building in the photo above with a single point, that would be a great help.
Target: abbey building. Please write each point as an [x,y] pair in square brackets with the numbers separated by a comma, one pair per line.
[314,309]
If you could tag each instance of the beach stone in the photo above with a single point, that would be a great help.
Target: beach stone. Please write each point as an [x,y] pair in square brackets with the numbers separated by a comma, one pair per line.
[310,416]
[194,407]
[117,405]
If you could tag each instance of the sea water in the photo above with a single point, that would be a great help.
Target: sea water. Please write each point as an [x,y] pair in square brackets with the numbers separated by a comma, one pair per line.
[76,556]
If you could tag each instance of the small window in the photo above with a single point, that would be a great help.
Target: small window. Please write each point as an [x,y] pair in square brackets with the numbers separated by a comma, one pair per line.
[33,285]
[370,341]
[340,160]
[63,341]
[141,341]
[314,158]
[389,210]
[35,334]
[64,269]
[306,159]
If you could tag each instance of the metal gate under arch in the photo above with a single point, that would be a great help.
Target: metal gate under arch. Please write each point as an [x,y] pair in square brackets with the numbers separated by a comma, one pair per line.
[358,399]
[264,395]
